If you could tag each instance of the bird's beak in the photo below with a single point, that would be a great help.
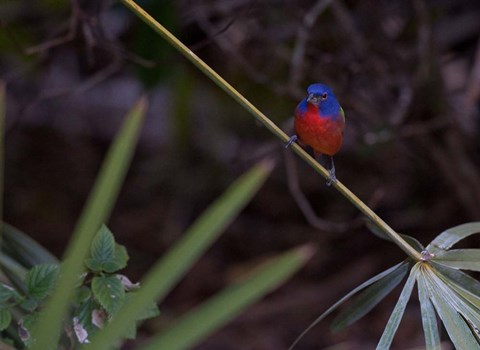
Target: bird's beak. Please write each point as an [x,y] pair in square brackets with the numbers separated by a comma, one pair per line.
[312,99]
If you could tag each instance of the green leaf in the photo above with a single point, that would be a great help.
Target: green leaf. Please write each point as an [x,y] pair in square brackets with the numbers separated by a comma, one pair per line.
[8,295]
[41,279]
[348,296]
[120,259]
[29,304]
[442,298]
[460,278]
[109,292]
[105,254]
[96,211]
[465,259]
[369,298]
[102,250]
[218,310]
[82,294]
[84,315]
[5,319]
[397,314]
[429,319]
[174,264]
[26,325]
[448,238]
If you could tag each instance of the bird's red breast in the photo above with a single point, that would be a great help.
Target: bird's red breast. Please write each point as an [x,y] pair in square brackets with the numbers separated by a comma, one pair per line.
[323,133]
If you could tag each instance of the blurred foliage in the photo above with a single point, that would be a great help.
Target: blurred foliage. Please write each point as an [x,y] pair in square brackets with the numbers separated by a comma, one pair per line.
[404,72]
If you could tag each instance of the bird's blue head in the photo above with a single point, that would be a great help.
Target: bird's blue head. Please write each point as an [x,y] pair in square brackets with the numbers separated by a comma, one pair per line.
[322,96]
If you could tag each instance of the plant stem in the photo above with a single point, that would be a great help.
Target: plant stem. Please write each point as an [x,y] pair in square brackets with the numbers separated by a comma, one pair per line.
[223,84]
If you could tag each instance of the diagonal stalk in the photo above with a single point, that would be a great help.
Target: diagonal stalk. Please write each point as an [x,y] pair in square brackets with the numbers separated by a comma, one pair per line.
[223,84]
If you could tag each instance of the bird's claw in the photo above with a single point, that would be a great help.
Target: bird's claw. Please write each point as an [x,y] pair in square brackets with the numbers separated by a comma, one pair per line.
[331,177]
[291,140]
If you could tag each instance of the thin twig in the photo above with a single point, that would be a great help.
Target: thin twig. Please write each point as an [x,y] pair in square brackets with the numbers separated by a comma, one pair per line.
[271,126]
[303,203]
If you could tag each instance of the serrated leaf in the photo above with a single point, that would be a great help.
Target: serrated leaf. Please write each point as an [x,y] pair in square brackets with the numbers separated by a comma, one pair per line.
[369,298]
[429,319]
[102,249]
[5,318]
[106,255]
[119,261]
[40,280]
[448,238]
[109,292]
[397,314]
[84,315]
[464,259]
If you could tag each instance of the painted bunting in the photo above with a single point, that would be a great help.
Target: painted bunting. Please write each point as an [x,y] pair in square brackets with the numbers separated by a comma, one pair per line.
[319,123]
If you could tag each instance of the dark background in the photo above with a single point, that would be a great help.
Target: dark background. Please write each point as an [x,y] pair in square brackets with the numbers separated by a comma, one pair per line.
[407,74]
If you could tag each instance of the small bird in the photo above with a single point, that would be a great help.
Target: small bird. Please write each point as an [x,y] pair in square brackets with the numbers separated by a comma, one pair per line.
[319,123]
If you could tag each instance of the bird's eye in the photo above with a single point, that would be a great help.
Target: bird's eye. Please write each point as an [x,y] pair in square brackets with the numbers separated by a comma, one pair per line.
[324,96]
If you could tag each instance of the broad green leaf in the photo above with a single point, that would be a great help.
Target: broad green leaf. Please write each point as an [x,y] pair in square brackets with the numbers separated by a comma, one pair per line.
[457,329]
[84,315]
[397,314]
[174,264]
[221,308]
[102,250]
[5,319]
[362,286]
[109,292]
[429,318]
[105,254]
[82,294]
[448,238]
[120,259]
[464,259]
[25,250]
[29,304]
[369,298]
[96,211]
[41,279]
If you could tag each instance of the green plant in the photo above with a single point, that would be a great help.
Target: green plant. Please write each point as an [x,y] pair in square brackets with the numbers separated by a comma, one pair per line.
[453,294]
[99,293]
[85,294]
